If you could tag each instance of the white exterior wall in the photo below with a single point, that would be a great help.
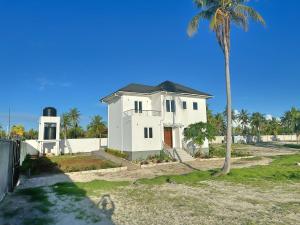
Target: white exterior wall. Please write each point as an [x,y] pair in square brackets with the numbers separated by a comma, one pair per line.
[139,143]
[126,128]
[32,147]
[184,117]
[115,110]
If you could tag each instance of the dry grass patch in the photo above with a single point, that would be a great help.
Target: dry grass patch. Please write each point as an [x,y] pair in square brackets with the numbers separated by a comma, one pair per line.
[65,163]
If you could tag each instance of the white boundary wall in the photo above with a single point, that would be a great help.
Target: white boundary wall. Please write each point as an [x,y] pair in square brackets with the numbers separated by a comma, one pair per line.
[264,138]
[69,146]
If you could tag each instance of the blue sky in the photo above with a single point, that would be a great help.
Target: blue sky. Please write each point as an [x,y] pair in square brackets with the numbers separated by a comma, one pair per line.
[71,53]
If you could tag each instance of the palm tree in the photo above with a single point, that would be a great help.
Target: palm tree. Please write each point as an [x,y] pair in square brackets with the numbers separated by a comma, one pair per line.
[96,127]
[74,115]
[220,124]
[221,14]
[257,122]
[243,118]
[66,124]
[291,121]
[287,122]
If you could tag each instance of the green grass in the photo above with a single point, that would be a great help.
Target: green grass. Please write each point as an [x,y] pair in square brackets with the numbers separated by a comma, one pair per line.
[81,189]
[292,146]
[36,195]
[282,169]
[42,204]
[64,163]
[217,150]
[116,153]
[10,213]
[38,221]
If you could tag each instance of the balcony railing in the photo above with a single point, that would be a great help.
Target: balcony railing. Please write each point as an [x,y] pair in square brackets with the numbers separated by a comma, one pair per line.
[133,112]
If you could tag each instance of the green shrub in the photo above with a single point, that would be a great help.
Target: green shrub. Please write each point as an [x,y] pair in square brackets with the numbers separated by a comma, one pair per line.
[292,146]
[117,153]
[219,151]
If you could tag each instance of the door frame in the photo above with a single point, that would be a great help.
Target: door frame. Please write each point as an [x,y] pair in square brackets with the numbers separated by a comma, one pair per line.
[169,129]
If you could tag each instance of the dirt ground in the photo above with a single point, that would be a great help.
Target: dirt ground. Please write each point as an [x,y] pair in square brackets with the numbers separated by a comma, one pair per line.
[178,168]
[208,202]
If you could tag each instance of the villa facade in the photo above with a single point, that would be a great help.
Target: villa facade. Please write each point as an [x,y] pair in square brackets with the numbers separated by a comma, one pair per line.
[142,120]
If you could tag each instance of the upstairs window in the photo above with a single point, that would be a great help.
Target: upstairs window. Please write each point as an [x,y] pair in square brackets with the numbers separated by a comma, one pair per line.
[148,132]
[170,105]
[168,108]
[138,106]
[195,105]
[184,105]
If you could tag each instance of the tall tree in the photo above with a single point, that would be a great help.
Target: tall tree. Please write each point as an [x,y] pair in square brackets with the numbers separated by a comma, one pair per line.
[65,124]
[257,122]
[220,124]
[221,14]
[31,134]
[74,115]
[17,131]
[96,128]
[273,127]
[243,118]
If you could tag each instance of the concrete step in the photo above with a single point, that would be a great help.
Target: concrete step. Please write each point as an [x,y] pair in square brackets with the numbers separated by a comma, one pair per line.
[182,156]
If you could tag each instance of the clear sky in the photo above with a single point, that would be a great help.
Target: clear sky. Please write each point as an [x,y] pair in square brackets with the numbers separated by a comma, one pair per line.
[71,53]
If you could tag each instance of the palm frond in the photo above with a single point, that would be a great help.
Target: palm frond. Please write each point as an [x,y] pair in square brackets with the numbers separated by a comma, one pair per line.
[249,12]
[194,24]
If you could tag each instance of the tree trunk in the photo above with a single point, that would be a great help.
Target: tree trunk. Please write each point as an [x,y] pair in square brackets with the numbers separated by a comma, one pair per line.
[226,166]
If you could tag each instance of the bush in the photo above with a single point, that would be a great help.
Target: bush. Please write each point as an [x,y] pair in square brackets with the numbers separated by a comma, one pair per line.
[219,151]
[292,146]
[162,157]
[116,153]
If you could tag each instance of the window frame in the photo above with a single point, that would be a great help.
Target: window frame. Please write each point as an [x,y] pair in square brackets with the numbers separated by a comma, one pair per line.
[150,132]
[146,134]
[173,106]
[138,106]
[168,106]
[195,105]
[184,105]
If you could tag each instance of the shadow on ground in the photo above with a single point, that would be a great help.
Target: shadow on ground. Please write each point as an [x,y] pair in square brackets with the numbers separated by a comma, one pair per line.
[62,203]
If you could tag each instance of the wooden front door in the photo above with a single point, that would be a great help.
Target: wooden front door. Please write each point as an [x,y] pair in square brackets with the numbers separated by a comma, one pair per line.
[168,136]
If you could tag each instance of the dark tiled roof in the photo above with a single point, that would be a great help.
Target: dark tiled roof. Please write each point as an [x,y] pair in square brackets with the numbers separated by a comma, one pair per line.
[167,86]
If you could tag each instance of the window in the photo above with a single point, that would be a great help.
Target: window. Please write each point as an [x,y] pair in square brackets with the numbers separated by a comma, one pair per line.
[148,132]
[195,105]
[145,132]
[138,106]
[184,105]
[170,105]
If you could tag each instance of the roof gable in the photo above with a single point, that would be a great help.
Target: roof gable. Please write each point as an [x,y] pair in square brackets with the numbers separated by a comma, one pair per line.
[166,86]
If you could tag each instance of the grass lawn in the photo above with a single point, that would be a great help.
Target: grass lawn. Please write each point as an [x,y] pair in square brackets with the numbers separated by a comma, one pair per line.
[282,169]
[64,163]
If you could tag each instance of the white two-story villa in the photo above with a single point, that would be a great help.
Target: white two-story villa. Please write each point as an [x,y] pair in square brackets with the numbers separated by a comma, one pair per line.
[142,120]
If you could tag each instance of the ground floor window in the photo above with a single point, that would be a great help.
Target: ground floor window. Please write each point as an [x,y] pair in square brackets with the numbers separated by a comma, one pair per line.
[148,132]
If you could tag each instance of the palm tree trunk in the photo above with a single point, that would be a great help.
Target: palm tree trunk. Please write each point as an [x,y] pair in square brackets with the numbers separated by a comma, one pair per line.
[226,166]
